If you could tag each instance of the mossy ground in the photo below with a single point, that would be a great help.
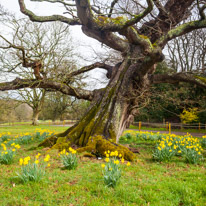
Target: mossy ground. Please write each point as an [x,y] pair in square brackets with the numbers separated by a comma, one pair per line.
[144,183]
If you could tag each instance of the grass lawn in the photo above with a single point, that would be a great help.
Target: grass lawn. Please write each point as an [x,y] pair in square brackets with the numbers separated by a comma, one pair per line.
[14,130]
[145,182]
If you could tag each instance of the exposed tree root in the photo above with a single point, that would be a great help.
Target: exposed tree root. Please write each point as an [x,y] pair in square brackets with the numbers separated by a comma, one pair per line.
[96,145]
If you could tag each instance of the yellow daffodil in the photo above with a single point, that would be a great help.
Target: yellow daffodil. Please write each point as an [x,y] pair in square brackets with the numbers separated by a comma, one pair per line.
[103,165]
[128,163]
[46,159]
[116,162]
[21,161]
[36,161]
[107,159]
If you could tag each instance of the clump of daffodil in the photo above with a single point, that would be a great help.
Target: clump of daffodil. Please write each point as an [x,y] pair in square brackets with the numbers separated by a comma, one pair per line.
[69,159]
[171,145]
[203,141]
[7,155]
[42,134]
[5,136]
[33,169]
[111,169]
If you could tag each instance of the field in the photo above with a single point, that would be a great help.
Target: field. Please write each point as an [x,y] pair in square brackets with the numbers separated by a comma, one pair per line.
[145,182]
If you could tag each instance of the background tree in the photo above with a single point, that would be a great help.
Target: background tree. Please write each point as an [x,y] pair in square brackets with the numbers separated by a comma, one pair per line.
[33,52]
[56,105]
[139,31]
[60,106]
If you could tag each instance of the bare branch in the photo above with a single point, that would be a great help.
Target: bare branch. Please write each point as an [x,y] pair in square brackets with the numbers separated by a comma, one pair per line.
[55,1]
[181,30]
[176,78]
[107,38]
[89,68]
[173,12]
[201,10]
[47,84]
[36,18]
[112,7]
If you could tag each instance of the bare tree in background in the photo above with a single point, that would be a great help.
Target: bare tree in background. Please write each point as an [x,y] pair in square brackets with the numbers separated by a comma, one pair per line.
[188,53]
[35,50]
[139,31]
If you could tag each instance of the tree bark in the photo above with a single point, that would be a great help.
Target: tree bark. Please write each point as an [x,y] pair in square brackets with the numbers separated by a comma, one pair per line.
[101,127]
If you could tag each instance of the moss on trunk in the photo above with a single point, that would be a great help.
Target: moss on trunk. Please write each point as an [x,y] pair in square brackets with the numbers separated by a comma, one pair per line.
[98,130]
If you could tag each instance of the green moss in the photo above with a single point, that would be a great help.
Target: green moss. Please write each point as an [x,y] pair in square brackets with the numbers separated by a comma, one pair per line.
[98,144]
[143,36]
[61,146]
[50,141]
[203,79]
[102,20]
[88,155]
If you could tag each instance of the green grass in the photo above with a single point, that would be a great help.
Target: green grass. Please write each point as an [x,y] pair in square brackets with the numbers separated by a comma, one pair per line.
[29,128]
[164,129]
[144,183]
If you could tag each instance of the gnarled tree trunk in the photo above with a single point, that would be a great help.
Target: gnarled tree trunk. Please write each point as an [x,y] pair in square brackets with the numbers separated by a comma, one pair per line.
[101,127]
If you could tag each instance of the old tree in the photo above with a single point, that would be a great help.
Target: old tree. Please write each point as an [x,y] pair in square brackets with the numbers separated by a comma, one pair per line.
[139,31]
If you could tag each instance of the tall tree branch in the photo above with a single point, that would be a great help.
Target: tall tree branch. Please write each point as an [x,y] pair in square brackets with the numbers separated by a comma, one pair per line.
[87,18]
[89,68]
[181,30]
[169,16]
[36,18]
[112,7]
[47,84]
[107,38]
[176,78]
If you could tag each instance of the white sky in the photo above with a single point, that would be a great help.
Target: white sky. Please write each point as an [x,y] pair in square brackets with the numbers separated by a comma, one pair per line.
[43,8]
[83,42]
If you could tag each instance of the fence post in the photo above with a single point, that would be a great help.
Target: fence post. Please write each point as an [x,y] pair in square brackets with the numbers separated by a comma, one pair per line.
[166,125]
[140,124]
[199,125]
[169,128]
